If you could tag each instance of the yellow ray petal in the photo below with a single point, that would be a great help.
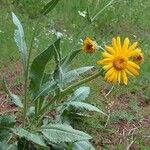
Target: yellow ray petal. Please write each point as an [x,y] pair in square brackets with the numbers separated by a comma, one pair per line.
[133,46]
[124,77]
[111,77]
[107,67]
[119,76]
[134,52]
[114,44]
[105,54]
[119,43]
[104,61]
[125,44]
[128,72]
[114,81]
[134,65]
[109,72]
[109,49]
[132,70]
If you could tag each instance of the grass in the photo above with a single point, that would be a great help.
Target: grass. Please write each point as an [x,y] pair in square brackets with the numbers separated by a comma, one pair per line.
[125,18]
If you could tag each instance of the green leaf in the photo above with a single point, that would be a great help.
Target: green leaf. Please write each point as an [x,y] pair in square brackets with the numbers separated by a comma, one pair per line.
[15,99]
[31,112]
[6,122]
[74,74]
[34,137]
[88,15]
[83,145]
[46,88]
[49,6]
[38,67]
[68,59]
[5,146]
[19,39]
[83,106]
[58,146]
[80,94]
[58,133]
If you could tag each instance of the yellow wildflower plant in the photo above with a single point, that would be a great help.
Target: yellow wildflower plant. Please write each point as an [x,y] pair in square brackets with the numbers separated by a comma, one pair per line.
[89,46]
[118,61]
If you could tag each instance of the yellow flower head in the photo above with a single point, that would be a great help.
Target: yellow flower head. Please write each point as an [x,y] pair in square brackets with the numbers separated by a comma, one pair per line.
[118,61]
[138,58]
[89,46]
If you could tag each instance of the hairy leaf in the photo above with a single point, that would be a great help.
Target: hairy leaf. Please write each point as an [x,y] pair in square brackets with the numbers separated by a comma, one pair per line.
[80,94]
[74,74]
[34,137]
[46,88]
[15,99]
[6,122]
[58,133]
[84,106]
[19,39]
[83,145]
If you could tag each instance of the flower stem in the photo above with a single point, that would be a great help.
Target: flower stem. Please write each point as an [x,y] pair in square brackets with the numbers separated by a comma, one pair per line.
[27,71]
[107,5]
[70,88]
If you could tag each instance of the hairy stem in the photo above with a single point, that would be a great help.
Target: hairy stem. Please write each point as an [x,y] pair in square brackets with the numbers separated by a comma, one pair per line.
[27,71]
[70,88]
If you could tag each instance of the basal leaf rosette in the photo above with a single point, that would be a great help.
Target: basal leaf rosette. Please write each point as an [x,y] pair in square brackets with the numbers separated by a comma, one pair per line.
[121,60]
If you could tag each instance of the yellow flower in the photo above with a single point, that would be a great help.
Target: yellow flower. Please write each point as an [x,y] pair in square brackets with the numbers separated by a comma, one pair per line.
[89,46]
[118,61]
[138,58]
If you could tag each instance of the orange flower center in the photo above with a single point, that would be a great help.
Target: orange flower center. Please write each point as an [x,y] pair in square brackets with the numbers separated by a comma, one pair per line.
[89,46]
[120,62]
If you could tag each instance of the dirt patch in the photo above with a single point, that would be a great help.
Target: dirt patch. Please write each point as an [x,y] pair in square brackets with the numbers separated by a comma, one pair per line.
[11,75]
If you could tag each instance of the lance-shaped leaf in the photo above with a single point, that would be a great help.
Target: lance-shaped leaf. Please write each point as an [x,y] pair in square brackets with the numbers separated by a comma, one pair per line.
[6,122]
[38,67]
[49,6]
[34,137]
[14,98]
[80,94]
[58,133]
[74,74]
[75,102]
[88,15]
[46,88]
[81,106]
[68,59]
[19,39]
[83,145]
